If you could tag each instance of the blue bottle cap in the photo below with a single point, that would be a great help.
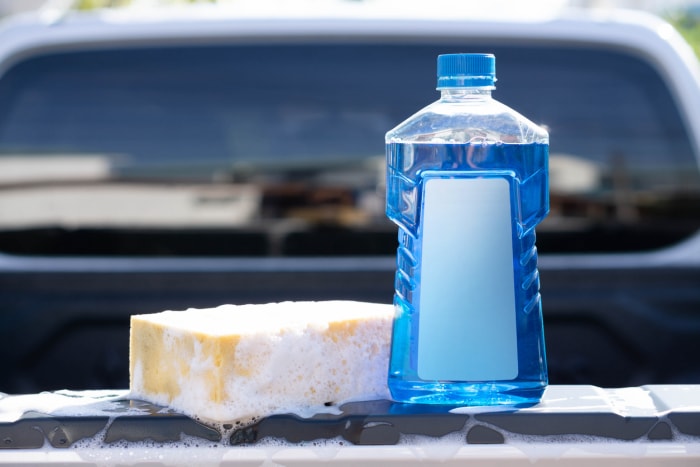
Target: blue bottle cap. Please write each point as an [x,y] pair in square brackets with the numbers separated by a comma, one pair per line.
[466,70]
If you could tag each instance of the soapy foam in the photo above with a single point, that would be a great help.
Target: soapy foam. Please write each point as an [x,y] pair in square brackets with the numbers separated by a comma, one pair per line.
[190,450]
[85,404]
[447,442]
[187,453]
[265,318]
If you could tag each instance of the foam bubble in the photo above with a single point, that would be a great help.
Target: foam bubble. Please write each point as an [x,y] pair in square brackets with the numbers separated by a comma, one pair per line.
[69,403]
[421,447]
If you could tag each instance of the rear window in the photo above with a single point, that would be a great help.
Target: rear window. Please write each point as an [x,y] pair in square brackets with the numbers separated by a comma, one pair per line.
[278,150]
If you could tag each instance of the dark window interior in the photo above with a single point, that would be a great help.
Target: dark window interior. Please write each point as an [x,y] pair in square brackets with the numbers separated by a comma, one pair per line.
[258,150]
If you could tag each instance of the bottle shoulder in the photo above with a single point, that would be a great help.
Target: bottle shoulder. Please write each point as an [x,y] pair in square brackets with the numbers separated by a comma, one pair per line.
[463,121]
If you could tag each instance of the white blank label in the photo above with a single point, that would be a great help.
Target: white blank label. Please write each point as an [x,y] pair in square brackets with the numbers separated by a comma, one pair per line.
[467,322]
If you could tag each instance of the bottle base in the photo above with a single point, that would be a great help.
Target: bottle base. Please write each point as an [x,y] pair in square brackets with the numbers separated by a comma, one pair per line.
[516,394]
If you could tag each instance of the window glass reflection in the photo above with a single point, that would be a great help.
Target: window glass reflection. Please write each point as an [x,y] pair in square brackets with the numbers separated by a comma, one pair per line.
[278,149]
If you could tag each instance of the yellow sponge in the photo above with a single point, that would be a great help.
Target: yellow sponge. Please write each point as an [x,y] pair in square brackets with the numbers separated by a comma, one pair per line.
[239,362]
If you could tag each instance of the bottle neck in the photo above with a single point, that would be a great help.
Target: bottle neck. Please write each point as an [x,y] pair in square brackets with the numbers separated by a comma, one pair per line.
[460,94]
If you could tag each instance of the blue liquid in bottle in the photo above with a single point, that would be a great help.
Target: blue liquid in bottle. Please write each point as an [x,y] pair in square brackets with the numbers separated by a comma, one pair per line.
[467,183]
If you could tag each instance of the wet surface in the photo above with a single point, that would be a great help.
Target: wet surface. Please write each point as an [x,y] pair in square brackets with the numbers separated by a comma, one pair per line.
[571,413]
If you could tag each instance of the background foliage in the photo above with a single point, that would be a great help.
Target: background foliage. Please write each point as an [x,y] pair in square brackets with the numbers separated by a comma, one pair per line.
[688,24]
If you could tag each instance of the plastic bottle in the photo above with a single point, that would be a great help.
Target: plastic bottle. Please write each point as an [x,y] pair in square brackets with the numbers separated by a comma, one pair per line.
[467,182]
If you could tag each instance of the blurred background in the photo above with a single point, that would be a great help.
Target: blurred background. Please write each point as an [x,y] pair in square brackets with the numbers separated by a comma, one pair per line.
[172,156]
[683,14]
